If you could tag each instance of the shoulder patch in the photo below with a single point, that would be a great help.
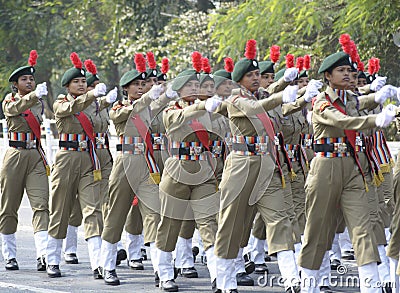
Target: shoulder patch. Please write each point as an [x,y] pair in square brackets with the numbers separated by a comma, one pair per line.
[116,107]
[324,106]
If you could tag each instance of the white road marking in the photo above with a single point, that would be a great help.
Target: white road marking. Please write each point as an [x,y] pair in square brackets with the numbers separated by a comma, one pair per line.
[29,288]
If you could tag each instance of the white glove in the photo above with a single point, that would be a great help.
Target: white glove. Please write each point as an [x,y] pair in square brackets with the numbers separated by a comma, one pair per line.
[290,74]
[384,118]
[385,92]
[312,90]
[290,94]
[398,93]
[170,93]
[112,96]
[155,91]
[378,83]
[99,90]
[212,104]
[41,90]
[309,117]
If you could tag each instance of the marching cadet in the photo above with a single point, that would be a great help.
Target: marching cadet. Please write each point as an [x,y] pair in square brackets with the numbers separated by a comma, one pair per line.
[24,165]
[188,184]
[223,79]
[336,177]
[134,177]
[70,242]
[76,170]
[247,174]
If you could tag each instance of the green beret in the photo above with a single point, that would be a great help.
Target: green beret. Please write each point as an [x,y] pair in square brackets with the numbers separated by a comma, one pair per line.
[130,76]
[151,73]
[279,74]
[72,73]
[161,77]
[90,78]
[266,67]
[205,76]
[220,76]
[24,70]
[335,60]
[303,73]
[242,67]
[182,78]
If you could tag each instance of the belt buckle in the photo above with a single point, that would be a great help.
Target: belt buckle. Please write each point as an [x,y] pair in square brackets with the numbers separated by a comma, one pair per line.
[307,142]
[195,150]
[261,147]
[276,140]
[290,154]
[139,146]
[340,147]
[228,140]
[217,150]
[30,144]
[100,140]
[157,140]
[83,144]
[359,141]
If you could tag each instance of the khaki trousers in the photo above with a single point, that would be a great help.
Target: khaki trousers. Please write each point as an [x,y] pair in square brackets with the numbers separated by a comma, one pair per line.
[23,169]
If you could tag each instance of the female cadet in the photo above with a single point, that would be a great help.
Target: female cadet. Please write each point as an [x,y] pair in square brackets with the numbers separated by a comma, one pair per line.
[188,175]
[134,171]
[24,164]
[103,152]
[336,179]
[76,170]
[247,173]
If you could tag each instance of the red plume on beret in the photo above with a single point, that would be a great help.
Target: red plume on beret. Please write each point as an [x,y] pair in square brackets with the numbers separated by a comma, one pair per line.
[300,63]
[377,65]
[371,66]
[228,64]
[90,66]
[206,65]
[196,61]
[344,40]
[75,60]
[289,60]
[151,60]
[307,62]
[360,66]
[274,53]
[164,65]
[140,62]
[32,58]
[251,50]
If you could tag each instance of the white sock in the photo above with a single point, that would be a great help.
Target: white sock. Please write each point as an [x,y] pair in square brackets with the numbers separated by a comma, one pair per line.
[94,248]
[40,243]
[226,274]
[9,246]
[288,268]
[70,243]
[133,245]
[369,278]
[53,250]
[108,255]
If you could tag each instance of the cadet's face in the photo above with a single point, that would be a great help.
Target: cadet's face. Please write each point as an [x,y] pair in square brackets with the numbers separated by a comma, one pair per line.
[206,90]
[93,85]
[161,81]
[302,82]
[190,91]
[77,86]
[25,84]
[361,82]
[225,88]
[251,80]
[149,83]
[267,79]
[353,81]
[340,77]
[135,89]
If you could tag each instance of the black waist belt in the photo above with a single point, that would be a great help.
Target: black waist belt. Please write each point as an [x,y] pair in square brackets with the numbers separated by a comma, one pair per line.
[18,144]
[126,147]
[244,147]
[70,144]
[330,148]
[187,151]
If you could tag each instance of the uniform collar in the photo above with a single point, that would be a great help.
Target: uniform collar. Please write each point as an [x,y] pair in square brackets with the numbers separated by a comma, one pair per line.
[335,94]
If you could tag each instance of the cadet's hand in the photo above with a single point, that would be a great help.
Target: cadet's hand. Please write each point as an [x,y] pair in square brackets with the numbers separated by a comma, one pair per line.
[155,91]
[378,83]
[312,90]
[385,92]
[384,118]
[212,104]
[309,117]
[99,90]
[290,74]
[170,93]
[112,96]
[41,90]
[290,94]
